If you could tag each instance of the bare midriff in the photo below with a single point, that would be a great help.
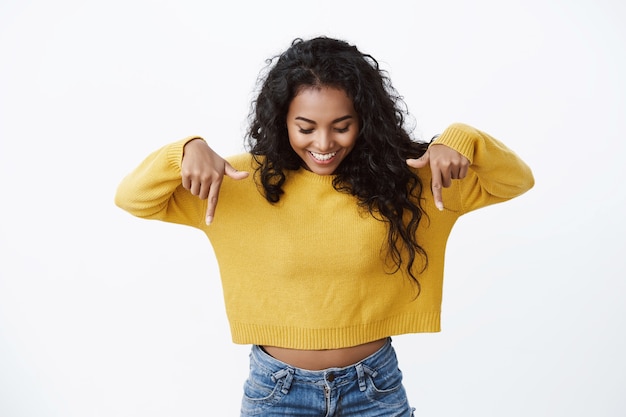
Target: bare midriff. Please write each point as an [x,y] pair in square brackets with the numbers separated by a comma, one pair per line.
[316,360]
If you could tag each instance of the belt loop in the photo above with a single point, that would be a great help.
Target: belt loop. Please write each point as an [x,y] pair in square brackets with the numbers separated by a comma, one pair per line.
[288,381]
[370,371]
[288,375]
[361,376]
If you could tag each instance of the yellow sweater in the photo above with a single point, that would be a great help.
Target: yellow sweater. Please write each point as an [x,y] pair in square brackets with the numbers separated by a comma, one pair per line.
[310,272]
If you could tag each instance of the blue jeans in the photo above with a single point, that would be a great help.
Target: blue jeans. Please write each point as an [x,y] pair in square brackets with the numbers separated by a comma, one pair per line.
[371,387]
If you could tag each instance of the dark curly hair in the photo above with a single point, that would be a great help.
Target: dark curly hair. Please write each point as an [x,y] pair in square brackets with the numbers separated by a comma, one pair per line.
[375,171]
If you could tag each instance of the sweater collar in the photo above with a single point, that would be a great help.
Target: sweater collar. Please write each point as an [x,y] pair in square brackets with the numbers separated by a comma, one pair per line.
[311,177]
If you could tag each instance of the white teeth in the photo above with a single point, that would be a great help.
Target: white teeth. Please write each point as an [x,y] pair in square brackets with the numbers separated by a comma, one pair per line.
[323,156]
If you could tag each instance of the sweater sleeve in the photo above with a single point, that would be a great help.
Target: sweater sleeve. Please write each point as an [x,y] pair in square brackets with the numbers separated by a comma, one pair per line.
[496,173]
[154,189]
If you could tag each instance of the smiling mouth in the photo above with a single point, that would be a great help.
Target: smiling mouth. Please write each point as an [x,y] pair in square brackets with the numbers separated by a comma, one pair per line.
[322,157]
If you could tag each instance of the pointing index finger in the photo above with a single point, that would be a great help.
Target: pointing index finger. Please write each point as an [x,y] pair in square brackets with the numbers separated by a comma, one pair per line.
[212,201]
[436,186]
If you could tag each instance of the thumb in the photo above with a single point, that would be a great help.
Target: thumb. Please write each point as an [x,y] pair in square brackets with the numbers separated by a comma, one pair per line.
[420,162]
[233,173]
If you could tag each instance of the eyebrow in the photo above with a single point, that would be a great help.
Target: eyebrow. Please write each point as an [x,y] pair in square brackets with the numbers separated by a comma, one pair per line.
[347,116]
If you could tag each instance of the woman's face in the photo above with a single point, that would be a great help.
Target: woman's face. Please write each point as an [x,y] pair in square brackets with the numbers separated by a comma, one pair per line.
[322,127]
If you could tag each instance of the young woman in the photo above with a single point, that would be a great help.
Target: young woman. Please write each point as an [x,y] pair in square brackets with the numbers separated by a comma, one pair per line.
[330,232]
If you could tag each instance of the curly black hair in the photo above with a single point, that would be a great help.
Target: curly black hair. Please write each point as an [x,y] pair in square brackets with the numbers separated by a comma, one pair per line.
[375,171]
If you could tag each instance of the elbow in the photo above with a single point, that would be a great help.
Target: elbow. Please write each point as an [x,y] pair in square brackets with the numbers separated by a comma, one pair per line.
[512,188]
[122,202]
[531,182]
[123,199]
[528,181]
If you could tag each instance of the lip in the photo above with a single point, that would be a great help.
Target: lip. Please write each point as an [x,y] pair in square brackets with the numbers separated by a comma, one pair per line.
[323,161]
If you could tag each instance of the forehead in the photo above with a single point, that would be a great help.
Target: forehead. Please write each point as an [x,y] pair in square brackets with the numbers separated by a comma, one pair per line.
[321,102]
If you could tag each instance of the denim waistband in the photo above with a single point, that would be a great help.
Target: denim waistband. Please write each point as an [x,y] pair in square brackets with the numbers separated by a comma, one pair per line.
[371,365]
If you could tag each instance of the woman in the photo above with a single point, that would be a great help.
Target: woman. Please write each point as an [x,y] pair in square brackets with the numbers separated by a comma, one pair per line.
[336,240]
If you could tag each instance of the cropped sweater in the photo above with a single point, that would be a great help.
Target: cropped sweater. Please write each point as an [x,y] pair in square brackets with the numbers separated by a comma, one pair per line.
[311,271]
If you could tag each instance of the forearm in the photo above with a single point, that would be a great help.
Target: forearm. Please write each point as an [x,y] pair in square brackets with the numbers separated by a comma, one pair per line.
[496,173]
[153,190]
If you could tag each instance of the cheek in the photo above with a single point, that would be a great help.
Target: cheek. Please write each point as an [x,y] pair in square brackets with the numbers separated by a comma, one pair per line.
[296,142]
[292,137]
[350,142]
[297,139]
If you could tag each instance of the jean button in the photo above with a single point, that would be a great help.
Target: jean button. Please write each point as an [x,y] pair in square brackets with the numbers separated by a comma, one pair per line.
[330,377]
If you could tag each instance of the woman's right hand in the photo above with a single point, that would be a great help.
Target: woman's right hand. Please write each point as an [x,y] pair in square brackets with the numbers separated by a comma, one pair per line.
[202,172]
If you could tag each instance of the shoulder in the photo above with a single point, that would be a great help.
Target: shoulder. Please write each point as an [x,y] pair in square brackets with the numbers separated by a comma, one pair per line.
[243,161]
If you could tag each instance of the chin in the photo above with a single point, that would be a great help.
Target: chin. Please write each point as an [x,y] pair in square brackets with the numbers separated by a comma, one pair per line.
[322,171]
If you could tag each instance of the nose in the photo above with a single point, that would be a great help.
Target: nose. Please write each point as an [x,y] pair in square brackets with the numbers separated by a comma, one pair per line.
[324,141]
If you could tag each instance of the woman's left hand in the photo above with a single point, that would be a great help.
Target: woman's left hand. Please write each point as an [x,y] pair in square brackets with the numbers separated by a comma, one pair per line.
[446,164]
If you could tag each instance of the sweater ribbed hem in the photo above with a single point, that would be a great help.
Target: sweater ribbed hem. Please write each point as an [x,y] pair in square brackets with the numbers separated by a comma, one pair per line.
[175,152]
[459,137]
[333,338]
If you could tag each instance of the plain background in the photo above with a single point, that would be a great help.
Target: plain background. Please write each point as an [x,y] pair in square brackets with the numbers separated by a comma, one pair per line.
[105,315]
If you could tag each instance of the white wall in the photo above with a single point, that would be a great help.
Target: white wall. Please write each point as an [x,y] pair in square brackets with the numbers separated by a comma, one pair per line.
[102,314]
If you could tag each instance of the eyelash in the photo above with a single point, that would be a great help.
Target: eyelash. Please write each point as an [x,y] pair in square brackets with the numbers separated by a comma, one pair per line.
[309,131]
